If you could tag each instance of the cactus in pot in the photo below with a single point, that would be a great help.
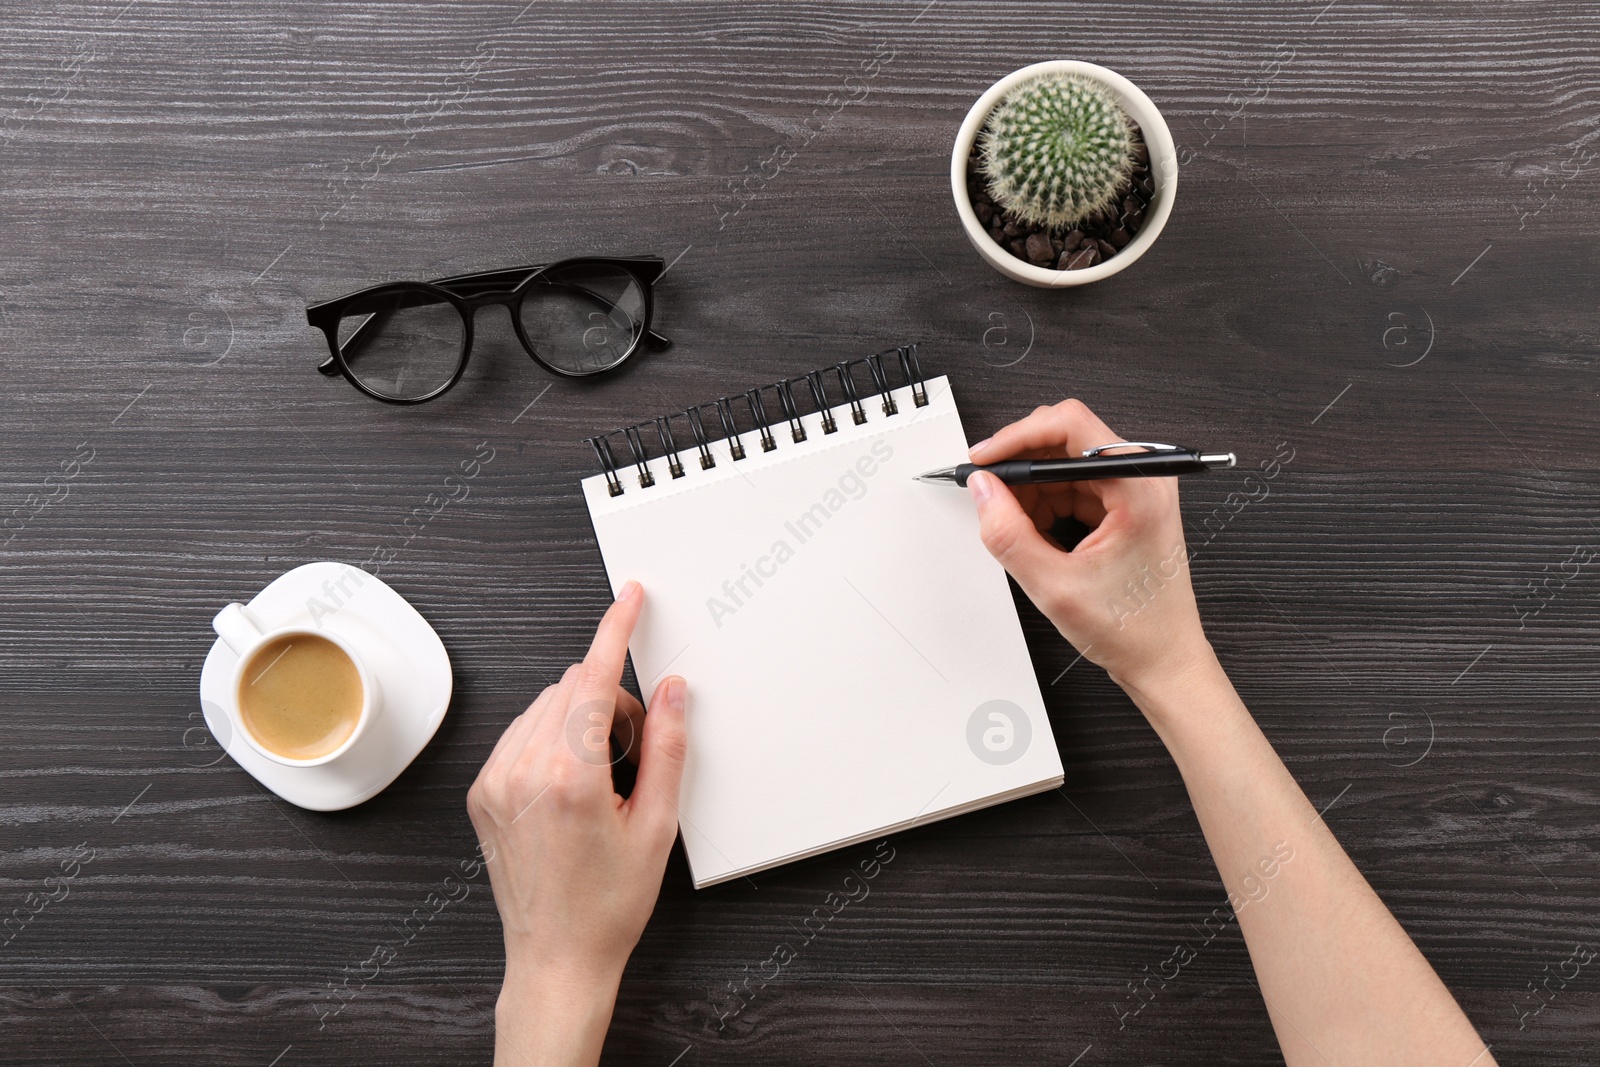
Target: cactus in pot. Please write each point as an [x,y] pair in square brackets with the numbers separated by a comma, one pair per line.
[1057,150]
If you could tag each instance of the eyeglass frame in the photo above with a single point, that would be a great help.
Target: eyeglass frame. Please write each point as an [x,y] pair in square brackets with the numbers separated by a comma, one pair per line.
[484,289]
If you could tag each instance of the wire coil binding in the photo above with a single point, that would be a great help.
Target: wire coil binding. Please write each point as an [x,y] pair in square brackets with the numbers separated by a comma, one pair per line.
[904,360]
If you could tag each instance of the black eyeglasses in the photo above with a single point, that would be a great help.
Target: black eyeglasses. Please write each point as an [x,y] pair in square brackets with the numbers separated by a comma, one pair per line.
[407,342]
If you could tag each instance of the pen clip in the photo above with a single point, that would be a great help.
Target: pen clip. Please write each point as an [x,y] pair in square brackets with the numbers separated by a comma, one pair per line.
[1148,445]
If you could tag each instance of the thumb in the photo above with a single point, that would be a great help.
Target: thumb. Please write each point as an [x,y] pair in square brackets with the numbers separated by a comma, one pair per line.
[1010,535]
[661,756]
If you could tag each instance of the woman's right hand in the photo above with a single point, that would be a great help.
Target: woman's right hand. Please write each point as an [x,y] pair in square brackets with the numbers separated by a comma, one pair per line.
[1122,596]
[1340,976]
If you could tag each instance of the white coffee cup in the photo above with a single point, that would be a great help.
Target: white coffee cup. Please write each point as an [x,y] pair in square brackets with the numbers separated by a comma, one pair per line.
[241,631]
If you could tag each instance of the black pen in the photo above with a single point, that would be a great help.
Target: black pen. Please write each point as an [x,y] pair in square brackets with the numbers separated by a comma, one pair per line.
[1159,461]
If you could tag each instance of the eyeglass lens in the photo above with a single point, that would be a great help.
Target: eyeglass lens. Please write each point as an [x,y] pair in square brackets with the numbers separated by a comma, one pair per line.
[584,318]
[402,345]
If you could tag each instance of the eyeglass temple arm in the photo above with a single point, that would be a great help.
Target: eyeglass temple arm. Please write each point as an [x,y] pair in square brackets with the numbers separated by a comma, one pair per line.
[488,281]
[506,278]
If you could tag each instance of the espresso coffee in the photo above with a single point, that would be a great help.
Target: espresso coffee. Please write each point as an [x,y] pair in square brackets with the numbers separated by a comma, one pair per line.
[300,696]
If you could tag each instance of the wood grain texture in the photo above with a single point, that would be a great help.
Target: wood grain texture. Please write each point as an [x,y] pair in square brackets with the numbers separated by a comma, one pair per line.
[178,180]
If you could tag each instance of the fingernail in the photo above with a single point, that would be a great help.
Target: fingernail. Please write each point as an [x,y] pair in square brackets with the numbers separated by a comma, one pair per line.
[676,689]
[978,482]
[630,589]
[972,453]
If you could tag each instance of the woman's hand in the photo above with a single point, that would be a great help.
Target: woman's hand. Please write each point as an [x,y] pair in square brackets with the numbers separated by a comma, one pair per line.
[575,868]
[1122,595]
[1340,977]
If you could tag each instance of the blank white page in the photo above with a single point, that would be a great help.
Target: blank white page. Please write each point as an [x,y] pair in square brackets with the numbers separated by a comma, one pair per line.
[843,633]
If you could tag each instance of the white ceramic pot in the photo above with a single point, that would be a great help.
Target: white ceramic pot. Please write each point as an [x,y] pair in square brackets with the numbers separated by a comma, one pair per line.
[1163,171]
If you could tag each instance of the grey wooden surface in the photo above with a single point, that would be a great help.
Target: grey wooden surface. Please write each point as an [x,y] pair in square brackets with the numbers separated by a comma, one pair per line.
[1382,255]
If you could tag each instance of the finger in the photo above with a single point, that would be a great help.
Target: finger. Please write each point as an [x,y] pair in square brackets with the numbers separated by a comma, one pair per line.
[552,726]
[517,733]
[546,740]
[665,745]
[595,685]
[1063,500]
[1088,509]
[508,763]
[1031,497]
[1011,537]
[1042,514]
[1069,428]
[628,724]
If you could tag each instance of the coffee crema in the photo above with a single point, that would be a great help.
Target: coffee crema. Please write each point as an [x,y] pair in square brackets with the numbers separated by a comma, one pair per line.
[300,696]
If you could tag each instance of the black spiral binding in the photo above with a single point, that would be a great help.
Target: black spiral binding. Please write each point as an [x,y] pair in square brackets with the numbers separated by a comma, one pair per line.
[669,447]
[858,414]
[820,395]
[759,412]
[640,458]
[602,451]
[730,432]
[881,380]
[703,443]
[913,372]
[878,364]
[797,429]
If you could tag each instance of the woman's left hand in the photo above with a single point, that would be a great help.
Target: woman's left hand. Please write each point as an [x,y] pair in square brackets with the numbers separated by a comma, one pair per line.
[576,868]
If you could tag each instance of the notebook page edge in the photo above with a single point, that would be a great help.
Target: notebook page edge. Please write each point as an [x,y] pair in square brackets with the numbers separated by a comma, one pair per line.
[954,811]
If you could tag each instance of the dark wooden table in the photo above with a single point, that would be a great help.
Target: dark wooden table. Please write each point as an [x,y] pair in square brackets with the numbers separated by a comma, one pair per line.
[1383,264]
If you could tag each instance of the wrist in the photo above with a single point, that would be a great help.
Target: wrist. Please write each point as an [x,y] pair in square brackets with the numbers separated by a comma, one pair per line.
[1162,685]
[554,1013]
[1183,689]
[537,986]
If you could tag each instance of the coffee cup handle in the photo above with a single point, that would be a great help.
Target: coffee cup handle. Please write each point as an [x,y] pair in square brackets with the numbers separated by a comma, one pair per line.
[237,628]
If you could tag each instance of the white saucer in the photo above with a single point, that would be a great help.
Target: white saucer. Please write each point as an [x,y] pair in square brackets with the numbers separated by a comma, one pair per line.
[399,648]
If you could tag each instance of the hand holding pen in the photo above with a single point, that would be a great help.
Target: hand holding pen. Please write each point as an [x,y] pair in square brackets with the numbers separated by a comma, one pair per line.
[1156,461]
[1121,593]
[1122,596]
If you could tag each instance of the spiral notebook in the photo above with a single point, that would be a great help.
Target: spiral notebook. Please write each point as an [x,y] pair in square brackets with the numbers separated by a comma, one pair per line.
[854,658]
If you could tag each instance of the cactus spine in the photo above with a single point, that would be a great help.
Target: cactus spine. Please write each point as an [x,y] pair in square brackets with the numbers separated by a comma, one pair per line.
[1056,150]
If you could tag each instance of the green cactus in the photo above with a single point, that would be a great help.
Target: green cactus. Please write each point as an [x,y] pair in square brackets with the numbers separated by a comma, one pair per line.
[1057,149]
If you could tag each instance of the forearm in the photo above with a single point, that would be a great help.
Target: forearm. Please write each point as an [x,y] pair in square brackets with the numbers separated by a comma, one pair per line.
[1342,980]
[545,1019]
